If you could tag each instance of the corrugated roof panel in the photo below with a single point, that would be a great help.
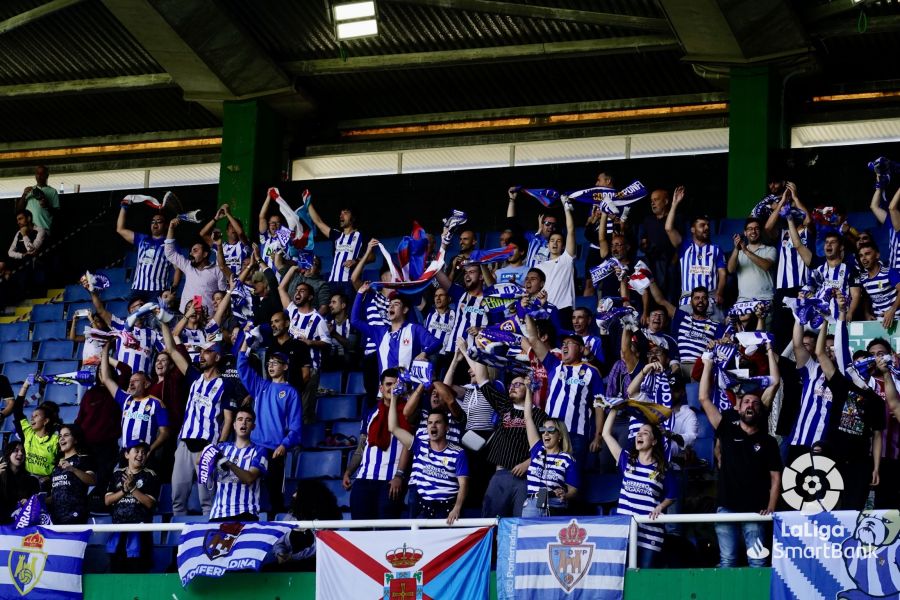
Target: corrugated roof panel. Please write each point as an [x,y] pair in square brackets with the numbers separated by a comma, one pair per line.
[674,143]
[456,159]
[542,153]
[845,134]
[165,177]
[347,165]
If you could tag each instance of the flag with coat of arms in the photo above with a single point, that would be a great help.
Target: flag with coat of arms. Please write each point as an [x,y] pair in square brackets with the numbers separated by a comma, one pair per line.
[403,565]
[40,564]
[556,558]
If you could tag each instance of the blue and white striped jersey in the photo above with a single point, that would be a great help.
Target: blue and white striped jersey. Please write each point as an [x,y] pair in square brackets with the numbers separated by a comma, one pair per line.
[207,398]
[376,314]
[643,488]
[699,267]
[881,288]
[841,276]
[233,497]
[893,249]
[269,245]
[309,326]
[153,273]
[347,246]
[693,334]
[551,471]
[571,393]
[454,431]
[141,419]
[538,251]
[343,330]
[377,464]
[470,312]
[815,404]
[655,388]
[235,255]
[441,326]
[435,473]
[792,271]
[136,348]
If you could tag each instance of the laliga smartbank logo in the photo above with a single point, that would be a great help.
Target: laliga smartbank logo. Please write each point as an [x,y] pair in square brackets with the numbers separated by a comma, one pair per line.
[812,484]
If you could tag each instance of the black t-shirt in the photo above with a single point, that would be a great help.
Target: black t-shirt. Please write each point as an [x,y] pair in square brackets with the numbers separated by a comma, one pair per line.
[747,462]
[298,353]
[851,422]
[68,494]
[128,509]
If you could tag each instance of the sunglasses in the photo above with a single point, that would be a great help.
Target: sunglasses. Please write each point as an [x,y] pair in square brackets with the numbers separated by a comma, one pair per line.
[550,223]
[548,430]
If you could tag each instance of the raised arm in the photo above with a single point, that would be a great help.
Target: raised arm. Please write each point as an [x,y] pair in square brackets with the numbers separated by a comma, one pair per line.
[285,284]
[402,435]
[105,378]
[801,355]
[235,223]
[774,377]
[891,395]
[671,230]
[875,205]
[602,240]
[367,257]
[127,234]
[571,245]
[171,347]
[480,371]
[263,214]
[660,299]
[712,413]
[629,356]
[317,220]
[206,231]
[531,429]
[540,348]
[511,207]
[611,442]
[803,251]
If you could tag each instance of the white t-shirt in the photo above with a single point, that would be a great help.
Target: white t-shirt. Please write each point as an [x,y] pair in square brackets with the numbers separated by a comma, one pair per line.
[560,284]
[755,283]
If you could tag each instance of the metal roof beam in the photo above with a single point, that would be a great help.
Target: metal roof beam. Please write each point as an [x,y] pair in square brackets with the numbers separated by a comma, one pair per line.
[883,24]
[30,16]
[104,84]
[546,12]
[468,56]
[831,9]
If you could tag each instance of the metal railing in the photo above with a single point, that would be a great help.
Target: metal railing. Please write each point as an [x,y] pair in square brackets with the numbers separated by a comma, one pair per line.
[415,524]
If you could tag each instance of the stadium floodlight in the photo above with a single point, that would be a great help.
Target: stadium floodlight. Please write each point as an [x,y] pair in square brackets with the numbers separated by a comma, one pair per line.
[355,20]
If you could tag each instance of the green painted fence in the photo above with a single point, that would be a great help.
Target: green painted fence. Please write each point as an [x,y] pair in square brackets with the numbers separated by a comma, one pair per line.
[671,584]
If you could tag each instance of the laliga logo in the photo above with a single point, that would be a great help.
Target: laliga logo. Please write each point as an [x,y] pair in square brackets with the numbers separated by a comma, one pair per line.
[812,484]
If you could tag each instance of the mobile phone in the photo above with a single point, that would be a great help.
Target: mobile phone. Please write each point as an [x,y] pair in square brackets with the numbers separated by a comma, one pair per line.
[542,498]
[198,302]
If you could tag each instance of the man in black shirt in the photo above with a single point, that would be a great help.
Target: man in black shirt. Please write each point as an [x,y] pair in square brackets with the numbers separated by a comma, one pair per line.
[750,476]
[132,494]
[296,350]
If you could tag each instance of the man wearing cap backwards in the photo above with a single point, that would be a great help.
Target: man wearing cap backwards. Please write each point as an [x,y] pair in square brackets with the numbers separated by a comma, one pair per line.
[702,263]
[278,415]
[400,342]
[208,417]
[573,385]
[750,475]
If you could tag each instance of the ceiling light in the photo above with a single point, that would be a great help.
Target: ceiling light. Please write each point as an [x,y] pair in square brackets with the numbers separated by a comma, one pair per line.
[355,20]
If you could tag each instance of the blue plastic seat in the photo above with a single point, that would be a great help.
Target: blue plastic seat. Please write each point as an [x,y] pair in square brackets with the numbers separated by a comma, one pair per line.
[330,380]
[164,502]
[116,291]
[49,330]
[347,428]
[863,220]
[130,261]
[17,372]
[67,414]
[311,435]
[55,350]
[588,302]
[602,488]
[313,465]
[729,227]
[16,352]
[12,332]
[704,446]
[118,308]
[115,275]
[41,313]
[355,383]
[76,293]
[336,487]
[704,427]
[333,408]
[61,394]
[692,391]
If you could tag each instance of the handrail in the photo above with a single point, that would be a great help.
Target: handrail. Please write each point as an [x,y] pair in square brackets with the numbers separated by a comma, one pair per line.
[415,524]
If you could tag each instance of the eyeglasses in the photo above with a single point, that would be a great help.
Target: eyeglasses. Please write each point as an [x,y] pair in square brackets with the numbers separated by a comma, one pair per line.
[516,384]
[549,430]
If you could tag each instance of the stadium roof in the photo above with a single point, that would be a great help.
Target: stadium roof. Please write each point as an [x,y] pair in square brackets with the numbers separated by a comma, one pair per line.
[150,77]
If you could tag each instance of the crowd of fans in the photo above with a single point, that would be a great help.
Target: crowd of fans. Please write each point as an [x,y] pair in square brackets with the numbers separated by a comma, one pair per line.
[210,378]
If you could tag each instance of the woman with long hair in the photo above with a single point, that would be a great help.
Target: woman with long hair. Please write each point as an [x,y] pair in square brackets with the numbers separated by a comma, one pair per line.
[646,489]
[16,483]
[552,475]
[69,482]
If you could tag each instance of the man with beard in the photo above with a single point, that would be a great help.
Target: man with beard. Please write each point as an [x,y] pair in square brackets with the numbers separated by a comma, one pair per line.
[152,272]
[202,278]
[348,246]
[208,418]
[399,343]
[272,234]
[692,331]
[882,285]
[752,261]
[471,315]
[295,349]
[593,344]
[838,275]
[659,253]
[750,475]
[344,338]
[702,263]
[468,241]
[308,325]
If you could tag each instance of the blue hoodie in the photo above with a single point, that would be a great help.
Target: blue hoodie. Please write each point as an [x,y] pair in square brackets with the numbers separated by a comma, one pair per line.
[279,415]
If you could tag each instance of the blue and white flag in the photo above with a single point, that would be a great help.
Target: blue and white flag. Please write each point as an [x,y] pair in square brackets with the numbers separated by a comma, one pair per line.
[40,564]
[420,371]
[214,548]
[562,558]
[31,512]
[836,555]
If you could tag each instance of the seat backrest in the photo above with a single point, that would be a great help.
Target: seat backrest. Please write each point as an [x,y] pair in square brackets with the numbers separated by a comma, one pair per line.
[55,350]
[312,465]
[16,352]
[41,313]
[55,367]
[333,408]
[330,380]
[61,394]
[347,428]
[17,372]
[11,332]
[355,383]
[312,434]
[49,330]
